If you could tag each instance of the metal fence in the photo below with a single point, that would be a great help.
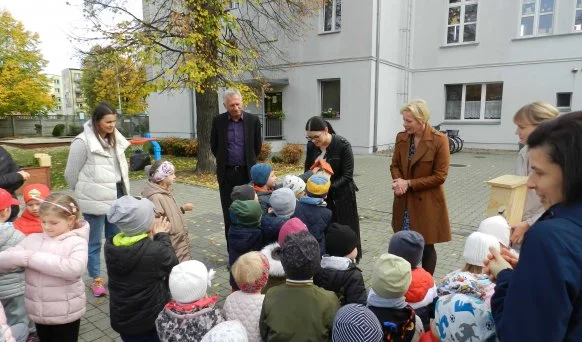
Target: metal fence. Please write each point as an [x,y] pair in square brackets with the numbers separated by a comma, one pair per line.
[272,128]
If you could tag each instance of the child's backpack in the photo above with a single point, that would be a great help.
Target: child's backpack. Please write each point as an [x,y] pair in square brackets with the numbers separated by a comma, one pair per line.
[402,331]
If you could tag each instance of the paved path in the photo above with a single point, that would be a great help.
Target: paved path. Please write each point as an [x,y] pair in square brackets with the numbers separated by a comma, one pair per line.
[467,196]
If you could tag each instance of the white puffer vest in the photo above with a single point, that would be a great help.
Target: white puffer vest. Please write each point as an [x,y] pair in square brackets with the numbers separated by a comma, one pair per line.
[96,188]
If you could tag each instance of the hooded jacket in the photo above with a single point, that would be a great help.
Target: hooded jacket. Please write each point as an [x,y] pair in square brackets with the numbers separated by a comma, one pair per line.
[316,218]
[276,272]
[342,276]
[11,283]
[166,205]
[271,225]
[138,280]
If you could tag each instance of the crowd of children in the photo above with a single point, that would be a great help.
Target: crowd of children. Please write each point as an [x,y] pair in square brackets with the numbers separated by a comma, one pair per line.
[294,275]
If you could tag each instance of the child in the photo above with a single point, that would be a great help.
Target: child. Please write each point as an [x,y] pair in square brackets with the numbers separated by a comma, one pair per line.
[409,245]
[158,190]
[273,252]
[11,283]
[312,210]
[139,260]
[338,272]
[245,234]
[296,184]
[282,204]
[243,192]
[264,182]
[356,323]
[227,331]
[250,272]
[470,279]
[191,313]
[459,317]
[391,277]
[54,263]
[29,222]
[298,310]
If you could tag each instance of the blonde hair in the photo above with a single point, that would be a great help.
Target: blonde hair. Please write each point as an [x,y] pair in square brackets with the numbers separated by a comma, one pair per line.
[418,109]
[248,268]
[61,205]
[472,269]
[536,112]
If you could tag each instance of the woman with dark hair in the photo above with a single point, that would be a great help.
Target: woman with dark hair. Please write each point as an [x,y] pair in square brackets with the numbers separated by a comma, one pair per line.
[541,299]
[97,171]
[324,143]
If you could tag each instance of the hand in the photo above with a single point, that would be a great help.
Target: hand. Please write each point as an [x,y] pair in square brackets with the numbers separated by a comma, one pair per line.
[25,175]
[494,264]
[510,257]
[517,232]
[161,225]
[188,207]
[315,170]
[21,257]
[400,186]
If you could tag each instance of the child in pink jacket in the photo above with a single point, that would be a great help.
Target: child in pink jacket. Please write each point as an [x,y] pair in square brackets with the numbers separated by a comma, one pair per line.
[54,261]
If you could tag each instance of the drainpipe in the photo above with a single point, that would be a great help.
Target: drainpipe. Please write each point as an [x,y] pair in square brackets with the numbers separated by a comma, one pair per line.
[192,99]
[377,75]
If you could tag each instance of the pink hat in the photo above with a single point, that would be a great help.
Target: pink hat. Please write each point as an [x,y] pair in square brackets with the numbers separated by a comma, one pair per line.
[292,226]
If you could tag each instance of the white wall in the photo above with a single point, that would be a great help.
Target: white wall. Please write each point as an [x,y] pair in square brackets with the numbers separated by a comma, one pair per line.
[171,114]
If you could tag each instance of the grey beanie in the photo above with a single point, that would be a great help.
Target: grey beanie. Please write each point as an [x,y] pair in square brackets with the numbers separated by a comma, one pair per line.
[283,202]
[300,256]
[132,215]
[242,193]
[408,245]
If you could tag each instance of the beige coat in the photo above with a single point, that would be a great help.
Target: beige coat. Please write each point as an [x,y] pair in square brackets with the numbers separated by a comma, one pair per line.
[425,199]
[533,206]
[166,205]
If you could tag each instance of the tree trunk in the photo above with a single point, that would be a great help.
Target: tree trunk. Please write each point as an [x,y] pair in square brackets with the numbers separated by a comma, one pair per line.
[206,109]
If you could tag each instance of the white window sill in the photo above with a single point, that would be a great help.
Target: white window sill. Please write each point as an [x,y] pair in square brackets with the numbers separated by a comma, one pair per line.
[541,36]
[329,32]
[458,44]
[473,122]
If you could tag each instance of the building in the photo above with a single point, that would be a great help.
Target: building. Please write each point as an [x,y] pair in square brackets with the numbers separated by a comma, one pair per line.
[474,62]
[74,103]
[56,93]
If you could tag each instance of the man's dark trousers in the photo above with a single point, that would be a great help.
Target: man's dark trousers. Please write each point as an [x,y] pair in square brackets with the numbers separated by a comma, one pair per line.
[233,176]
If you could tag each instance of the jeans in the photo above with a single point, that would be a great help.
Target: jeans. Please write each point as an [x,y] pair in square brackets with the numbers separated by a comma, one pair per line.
[96,224]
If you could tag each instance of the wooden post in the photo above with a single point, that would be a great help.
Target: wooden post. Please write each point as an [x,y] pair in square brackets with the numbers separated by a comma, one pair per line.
[507,192]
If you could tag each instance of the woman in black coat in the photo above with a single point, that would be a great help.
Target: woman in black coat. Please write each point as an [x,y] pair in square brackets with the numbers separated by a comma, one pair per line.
[323,143]
[11,178]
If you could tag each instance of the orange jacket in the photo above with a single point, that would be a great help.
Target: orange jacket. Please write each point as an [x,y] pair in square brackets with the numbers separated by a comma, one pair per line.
[422,282]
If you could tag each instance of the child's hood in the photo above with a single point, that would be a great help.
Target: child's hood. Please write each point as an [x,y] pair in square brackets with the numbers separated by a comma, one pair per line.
[152,188]
[82,232]
[273,254]
[336,263]
[9,237]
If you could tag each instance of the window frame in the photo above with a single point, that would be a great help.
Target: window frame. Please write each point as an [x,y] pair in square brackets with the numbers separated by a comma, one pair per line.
[564,109]
[461,4]
[536,19]
[333,29]
[321,86]
[483,102]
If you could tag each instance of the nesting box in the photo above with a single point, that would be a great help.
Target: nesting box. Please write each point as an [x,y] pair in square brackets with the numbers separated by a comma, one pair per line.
[323,167]
[43,159]
[508,194]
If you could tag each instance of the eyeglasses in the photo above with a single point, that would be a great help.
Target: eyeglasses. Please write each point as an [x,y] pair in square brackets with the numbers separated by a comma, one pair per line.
[315,137]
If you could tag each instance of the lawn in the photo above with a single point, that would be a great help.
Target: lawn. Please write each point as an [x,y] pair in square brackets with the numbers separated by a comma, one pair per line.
[185,167]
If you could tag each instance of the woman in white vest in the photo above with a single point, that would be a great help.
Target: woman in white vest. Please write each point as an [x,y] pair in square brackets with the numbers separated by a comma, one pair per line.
[97,171]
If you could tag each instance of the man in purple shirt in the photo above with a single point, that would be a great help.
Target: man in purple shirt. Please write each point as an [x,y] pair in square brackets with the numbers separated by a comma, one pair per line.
[235,141]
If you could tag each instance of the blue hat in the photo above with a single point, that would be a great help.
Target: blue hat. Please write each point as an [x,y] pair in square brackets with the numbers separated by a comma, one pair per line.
[317,186]
[260,174]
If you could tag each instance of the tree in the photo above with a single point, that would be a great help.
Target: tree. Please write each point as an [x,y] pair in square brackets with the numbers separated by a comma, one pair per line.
[203,45]
[108,76]
[23,89]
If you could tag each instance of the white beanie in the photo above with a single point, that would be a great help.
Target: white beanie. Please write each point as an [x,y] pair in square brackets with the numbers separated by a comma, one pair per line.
[283,202]
[294,183]
[477,247]
[189,281]
[496,226]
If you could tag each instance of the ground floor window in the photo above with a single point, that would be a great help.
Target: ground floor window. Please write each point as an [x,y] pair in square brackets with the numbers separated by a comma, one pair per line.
[473,101]
[330,98]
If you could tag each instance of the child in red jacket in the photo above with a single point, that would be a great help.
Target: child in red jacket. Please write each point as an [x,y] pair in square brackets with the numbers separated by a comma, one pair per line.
[29,222]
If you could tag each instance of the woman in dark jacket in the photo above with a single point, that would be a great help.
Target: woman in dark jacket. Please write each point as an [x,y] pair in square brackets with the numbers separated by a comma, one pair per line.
[11,178]
[323,143]
[541,299]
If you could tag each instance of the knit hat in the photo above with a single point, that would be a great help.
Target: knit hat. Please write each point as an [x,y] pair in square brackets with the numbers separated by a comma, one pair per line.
[34,191]
[260,174]
[477,247]
[291,226]
[294,183]
[283,202]
[458,314]
[6,200]
[391,276]
[246,213]
[356,323]
[227,331]
[340,240]
[408,245]
[243,193]
[189,281]
[498,227]
[300,256]
[317,186]
[132,215]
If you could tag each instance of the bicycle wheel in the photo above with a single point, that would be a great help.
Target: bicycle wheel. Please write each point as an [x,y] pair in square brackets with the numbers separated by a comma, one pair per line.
[452,145]
[459,142]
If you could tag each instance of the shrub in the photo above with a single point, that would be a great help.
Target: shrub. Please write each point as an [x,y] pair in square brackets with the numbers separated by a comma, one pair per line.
[58,130]
[179,147]
[276,159]
[265,152]
[75,130]
[291,153]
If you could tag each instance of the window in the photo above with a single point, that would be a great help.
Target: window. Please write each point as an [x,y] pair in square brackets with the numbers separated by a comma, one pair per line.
[57,90]
[537,17]
[473,101]
[231,5]
[578,17]
[332,15]
[564,102]
[461,21]
[56,81]
[330,98]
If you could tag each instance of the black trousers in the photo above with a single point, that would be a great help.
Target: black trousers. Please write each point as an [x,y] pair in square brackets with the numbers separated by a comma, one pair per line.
[233,176]
[68,332]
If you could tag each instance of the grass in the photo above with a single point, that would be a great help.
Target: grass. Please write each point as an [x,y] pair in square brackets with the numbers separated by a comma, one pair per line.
[185,167]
